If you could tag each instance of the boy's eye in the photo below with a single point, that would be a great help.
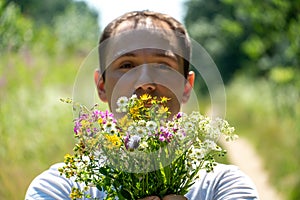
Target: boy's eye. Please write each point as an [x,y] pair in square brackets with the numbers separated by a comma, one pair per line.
[163,67]
[126,65]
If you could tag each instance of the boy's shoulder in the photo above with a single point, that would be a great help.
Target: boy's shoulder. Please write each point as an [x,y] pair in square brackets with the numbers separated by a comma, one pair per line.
[50,184]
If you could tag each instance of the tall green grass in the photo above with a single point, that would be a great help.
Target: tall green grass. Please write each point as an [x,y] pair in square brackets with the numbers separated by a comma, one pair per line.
[35,127]
[253,106]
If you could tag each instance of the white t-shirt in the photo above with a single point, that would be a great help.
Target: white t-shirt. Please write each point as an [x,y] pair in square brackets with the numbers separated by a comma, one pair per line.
[224,183]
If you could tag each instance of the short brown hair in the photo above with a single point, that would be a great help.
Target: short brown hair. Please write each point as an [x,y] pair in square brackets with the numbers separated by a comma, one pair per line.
[138,16]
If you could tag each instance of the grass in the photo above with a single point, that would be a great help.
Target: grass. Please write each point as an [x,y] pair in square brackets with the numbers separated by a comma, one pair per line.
[273,129]
[36,128]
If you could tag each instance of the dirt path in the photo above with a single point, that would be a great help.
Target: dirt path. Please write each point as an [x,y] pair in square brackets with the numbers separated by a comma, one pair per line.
[242,154]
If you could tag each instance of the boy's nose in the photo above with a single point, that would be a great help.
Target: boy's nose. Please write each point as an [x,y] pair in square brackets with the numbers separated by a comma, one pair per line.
[149,87]
[145,79]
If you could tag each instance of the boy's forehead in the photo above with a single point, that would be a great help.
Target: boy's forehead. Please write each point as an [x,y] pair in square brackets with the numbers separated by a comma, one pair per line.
[160,41]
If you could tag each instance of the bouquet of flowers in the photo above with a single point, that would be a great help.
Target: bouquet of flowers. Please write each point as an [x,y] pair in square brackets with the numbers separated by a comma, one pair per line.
[145,152]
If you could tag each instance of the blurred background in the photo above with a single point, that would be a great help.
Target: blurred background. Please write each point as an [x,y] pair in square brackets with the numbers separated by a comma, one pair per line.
[255,44]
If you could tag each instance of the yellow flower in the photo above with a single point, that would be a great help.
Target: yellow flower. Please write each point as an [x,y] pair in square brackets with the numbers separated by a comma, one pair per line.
[163,109]
[164,99]
[135,113]
[85,123]
[145,97]
[114,140]
[69,158]
[124,122]
[76,193]
[100,120]
[153,101]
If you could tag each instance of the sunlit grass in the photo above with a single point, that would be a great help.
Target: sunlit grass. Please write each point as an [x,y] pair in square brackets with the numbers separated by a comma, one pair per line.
[36,128]
[274,131]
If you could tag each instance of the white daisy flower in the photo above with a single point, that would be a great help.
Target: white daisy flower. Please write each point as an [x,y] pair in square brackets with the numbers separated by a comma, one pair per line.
[151,125]
[122,103]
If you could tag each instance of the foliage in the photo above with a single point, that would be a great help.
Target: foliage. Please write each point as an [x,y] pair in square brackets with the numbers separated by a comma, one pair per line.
[145,152]
[41,12]
[73,27]
[250,35]
[16,30]
[70,28]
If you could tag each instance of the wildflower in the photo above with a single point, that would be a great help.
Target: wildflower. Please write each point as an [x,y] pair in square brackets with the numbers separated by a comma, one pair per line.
[140,130]
[100,121]
[133,142]
[84,123]
[77,128]
[96,114]
[189,125]
[151,125]
[143,145]
[195,116]
[141,122]
[122,104]
[110,127]
[163,109]
[69,158]
[114,140]
[165,135]
[164,99]
[145,97]
[179,115]
[134,112]
[122,101]
[181,134]
[198,154]
[143,128]
[210,145]
[76,193]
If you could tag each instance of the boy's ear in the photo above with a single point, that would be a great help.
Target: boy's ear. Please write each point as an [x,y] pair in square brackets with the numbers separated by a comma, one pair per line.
[100,85]
[188,87]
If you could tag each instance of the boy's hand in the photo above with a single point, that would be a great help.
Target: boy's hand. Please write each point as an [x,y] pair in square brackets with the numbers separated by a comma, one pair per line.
[174,197]
[168,197]
[150,198]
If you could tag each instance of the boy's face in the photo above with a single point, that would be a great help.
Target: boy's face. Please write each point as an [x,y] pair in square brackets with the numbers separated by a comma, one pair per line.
[156,72]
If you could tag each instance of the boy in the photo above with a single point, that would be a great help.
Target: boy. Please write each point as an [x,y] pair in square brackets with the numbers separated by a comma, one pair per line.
[147,52]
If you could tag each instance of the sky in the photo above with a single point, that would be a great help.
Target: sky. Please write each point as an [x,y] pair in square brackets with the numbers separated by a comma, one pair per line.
[110,9]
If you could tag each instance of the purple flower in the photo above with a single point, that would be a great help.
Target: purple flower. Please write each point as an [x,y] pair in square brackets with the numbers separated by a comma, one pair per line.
[179,115]
[126,140]
[162,138]
[96,114]
[165,135]
[132,142]
[77,127]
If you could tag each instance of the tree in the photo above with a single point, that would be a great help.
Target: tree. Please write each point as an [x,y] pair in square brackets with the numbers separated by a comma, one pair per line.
[15,29]
[42,12]
[254,36]
[50,25]
[77,28]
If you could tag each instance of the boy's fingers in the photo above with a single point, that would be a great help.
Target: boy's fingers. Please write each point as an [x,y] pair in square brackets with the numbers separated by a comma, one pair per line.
[174,197]
[150,198]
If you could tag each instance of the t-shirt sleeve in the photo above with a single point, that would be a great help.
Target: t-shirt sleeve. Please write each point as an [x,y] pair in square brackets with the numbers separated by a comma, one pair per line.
[51,185]
[226,182]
